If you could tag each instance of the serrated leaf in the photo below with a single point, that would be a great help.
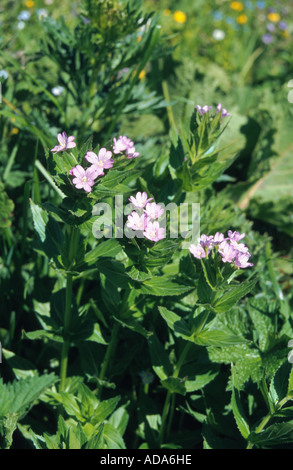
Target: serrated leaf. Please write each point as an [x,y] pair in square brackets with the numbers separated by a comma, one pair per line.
[232,296]
[239,415]
[274,435]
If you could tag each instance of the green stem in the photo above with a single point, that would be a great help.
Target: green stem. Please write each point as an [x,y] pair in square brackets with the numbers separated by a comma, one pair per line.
[66,343]
[169,394]
[164,417]
[170,114]
[111,347]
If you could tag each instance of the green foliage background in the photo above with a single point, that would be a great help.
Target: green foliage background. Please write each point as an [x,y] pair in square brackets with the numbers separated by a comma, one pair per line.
[161,353]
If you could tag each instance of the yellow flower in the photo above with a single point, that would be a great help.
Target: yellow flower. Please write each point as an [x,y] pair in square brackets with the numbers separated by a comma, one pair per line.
[238,6]
[139,38]
[14,131]
[29,3]
[274,17]
[285,34]
[179,16]
[142,74]
[241,19]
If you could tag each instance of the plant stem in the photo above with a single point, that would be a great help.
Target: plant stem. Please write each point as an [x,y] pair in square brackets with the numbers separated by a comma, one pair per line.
[169,394]
[65,346]
[111,347]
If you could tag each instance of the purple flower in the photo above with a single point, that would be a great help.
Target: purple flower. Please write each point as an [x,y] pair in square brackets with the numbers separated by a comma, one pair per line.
[218,238]
[205,241]
[136,221]
[140,200]
[124,144]
[227,252]
[154,232]
[203,110]
[239,247]
[84,179]
[241,260]
[101,161]
[271,27]
[224,110]
[267,39]
[197,251]
[236,236]
[153,210]
[64,143]
[283,25]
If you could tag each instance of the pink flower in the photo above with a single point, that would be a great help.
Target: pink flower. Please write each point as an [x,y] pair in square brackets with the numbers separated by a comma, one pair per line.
[205,241]
[218,238]
[222,110]
[241,260]
[236,236]
[203,110]
[64,143]
[154,232]
[140,200]
[227,252]
[124,144]
[197,251]
[84,179]
[101,161]
[136,221]
[153,210]
[239,247]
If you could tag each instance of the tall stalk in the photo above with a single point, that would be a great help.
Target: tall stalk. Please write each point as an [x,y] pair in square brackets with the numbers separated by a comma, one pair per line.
[67,321]
[169,395]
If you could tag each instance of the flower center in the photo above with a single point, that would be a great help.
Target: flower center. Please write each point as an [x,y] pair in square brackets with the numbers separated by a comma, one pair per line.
[84,179]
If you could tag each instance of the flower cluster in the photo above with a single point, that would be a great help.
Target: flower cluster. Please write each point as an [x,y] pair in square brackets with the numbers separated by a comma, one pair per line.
[205,109]
[229,248]
[275,26]
[124,144]
[145,217]
[84,178]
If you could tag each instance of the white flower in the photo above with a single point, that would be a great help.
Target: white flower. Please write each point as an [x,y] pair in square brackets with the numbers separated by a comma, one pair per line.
[219,34]
[4,74]
[57,90]
[20,25]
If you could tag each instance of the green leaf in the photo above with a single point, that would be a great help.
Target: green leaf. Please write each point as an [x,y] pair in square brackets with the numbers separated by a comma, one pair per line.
[217,338]
[107,249]
[232,296]
[239,414]
[174,385]
[275,435]
[40,219]
[8,424]
[163,286]
[104,409]
[18,396]
[134,325]
[160,360]
[280,382]
[176,323]
[112,437]
[114,272]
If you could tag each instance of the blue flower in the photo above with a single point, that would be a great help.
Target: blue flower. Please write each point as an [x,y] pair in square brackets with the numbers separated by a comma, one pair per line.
[24,15]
